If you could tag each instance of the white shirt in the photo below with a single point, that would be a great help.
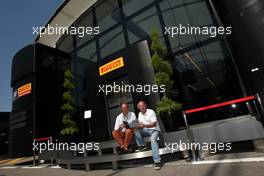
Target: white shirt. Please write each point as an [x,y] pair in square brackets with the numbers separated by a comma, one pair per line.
[130,119]
[148,117]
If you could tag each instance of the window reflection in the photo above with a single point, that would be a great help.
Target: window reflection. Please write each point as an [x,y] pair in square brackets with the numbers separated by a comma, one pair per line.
[140,26]
[107,14]
[88,52]
[86,21]
[132,6]
[113,38]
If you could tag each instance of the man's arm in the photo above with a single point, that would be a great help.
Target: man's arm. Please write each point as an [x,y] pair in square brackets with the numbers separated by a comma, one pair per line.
[117,124]
[153,121]
[150,125]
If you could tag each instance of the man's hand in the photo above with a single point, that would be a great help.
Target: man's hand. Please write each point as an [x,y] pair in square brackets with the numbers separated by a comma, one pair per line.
[140,125]
[122,126]
[151,125]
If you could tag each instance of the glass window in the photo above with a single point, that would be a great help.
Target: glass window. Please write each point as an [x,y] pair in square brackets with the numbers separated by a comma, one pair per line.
[79,70]
[107,14]
[204,62]
[112,41]
[66,44]
[200,16]
[174,14]
[208,76]
[199,13]
[215,55]
[140,26]
[188,13]
[88,52]
[86,21]
[114,100]
[132,6]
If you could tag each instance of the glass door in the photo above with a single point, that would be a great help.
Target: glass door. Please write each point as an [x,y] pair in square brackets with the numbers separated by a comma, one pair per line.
[114,99]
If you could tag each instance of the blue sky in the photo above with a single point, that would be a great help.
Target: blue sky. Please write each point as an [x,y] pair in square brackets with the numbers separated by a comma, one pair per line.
[17,17]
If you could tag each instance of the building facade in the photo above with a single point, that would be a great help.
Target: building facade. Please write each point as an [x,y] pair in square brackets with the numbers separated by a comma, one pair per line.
[205,68]
[4,132]
[212,76]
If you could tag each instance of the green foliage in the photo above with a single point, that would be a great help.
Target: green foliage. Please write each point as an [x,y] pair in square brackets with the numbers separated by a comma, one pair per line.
[163,71]
[166,105]
[160,65]
[67,84]
[156,46]
[163,78]
[68,74]
[68,98]
[68,108]
[69,131]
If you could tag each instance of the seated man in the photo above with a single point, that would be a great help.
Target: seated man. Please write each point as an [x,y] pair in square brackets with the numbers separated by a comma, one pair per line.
[148,126]
[123,133]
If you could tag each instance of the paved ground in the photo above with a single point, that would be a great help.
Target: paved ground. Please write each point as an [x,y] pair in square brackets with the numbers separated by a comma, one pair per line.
[234,169]
[236,164]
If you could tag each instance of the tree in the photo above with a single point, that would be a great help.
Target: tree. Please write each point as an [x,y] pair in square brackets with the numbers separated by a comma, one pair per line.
[163,71]
[68,108]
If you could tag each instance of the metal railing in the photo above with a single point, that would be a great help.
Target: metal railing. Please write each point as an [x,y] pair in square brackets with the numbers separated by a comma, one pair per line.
[38,140]
[256,102]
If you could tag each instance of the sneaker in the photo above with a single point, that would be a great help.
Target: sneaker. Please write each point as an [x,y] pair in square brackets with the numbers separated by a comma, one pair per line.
[189,159]
[141,149]
[130,150]
[158,166]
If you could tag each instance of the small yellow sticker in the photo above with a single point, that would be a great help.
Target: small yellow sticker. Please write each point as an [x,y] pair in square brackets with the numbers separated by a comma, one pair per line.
[24,90]
[111,66]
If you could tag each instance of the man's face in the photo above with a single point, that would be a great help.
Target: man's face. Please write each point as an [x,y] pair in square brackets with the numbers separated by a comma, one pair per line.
[142,107]
[124,109]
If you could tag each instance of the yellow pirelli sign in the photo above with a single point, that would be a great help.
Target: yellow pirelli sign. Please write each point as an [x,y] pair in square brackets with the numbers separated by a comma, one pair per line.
[24,90]
[111,66]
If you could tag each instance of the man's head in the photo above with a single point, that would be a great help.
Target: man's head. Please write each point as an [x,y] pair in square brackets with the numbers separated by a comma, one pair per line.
[124,108]
[142,106]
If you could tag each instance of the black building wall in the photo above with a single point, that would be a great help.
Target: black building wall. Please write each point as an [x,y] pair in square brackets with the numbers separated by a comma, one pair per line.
[246,17]
[137,67]
[139,71]
[21,116]
[36,114]
[4,131]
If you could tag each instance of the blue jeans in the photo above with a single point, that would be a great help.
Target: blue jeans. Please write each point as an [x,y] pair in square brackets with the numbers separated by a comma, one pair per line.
[154,134]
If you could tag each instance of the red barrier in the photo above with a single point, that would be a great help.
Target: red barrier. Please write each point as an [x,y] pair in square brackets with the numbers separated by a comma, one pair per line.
[36,140]
[184,114]
[42,139]
[220,104]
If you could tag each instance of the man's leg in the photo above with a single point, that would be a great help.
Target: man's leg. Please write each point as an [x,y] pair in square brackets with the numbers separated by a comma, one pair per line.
[138,137]
[118,136]
[140,141]
[154,134]
[128,137]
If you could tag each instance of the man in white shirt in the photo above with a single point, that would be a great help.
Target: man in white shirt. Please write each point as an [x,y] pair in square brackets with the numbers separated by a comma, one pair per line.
[123,132]
[148,126]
